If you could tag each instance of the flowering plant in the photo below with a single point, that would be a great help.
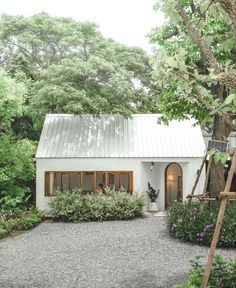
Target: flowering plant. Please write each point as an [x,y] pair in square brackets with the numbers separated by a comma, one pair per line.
[196,223]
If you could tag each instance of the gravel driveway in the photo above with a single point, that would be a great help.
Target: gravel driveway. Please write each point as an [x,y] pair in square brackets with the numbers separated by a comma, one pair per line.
[119,254]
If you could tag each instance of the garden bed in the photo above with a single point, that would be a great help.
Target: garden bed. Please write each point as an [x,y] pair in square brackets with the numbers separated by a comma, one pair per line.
[15,221]
[196,224]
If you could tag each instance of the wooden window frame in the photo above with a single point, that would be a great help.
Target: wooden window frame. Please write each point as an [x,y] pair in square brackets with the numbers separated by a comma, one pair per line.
[46,184]
[94,181]
[62,182]
[54,179]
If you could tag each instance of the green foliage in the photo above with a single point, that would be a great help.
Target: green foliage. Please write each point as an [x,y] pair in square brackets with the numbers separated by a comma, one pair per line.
[69,67]
[223,274]
[219,158]
[230,103]
[15,197]
[16,164]
[72,206]
[194,58]
[15,220]
[196,224]
[188,80]
[17,171]
[11,98]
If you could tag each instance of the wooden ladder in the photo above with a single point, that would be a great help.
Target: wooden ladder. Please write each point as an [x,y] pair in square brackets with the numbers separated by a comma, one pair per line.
[203,195]
[224,196]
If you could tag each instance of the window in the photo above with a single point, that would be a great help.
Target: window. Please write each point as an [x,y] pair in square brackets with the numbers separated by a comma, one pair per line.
[49,184]
[57,181]
[65,182]
[124,180]
[100,179]
[88,181]
[113,180]
[75,180]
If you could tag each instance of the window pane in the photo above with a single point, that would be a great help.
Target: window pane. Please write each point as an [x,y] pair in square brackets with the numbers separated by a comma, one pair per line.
[47,184]
[100,179]
[124,181]
[57,181]
[51,175]
[87,182]
[65,182]
[75,181]
[113,180]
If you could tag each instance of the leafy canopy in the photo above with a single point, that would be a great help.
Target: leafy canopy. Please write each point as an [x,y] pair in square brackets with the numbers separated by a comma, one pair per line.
[194,60]
[71,68]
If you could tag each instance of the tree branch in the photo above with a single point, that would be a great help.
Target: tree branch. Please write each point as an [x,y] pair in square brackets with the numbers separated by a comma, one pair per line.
[230,123]
[206,50]
[208,106]
[226,78]
[204,102]
[27,52]
[193,7]
[171,34]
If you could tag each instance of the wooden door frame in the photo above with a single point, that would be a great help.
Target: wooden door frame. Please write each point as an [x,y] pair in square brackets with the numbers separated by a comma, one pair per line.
[171,163]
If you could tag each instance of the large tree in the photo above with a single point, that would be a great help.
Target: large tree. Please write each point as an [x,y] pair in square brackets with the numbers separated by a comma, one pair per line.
[194,63]
[70,67]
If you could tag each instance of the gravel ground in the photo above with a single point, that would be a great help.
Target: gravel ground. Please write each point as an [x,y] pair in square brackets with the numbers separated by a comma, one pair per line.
[119,254]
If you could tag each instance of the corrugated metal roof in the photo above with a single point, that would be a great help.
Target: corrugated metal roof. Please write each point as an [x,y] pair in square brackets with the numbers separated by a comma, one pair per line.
[71,136]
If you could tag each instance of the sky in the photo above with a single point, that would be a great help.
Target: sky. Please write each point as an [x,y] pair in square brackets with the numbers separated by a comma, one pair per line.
[126,21]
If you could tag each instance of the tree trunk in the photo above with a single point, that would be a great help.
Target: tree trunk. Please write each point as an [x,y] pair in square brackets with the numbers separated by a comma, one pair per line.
[221,132]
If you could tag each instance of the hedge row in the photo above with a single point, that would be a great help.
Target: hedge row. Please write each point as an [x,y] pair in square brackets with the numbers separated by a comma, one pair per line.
[72,206]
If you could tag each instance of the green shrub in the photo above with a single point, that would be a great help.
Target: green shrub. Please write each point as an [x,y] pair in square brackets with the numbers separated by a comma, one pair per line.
[17,172]
[18,220]
[3,232]
[223,274]
[196,224]
[29,219]
[17,198]
[72,206]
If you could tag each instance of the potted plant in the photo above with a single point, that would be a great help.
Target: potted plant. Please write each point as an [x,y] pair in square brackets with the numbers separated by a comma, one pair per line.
[153,195]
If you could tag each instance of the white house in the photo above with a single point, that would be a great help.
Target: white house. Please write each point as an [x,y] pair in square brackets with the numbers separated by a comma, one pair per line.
[82,152]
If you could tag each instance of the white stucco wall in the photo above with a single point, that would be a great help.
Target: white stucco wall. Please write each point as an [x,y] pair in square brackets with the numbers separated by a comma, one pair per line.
[140,167]
[157,177]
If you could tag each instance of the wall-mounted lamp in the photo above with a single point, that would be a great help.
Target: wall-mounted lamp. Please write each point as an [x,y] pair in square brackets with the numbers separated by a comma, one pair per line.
[170,178]
[151,166]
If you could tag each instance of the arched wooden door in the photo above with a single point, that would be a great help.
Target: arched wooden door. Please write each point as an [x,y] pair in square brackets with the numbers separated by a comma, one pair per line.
[173,183]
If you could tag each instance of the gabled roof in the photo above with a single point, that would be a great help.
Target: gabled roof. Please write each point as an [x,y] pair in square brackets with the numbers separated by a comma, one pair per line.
[71,136]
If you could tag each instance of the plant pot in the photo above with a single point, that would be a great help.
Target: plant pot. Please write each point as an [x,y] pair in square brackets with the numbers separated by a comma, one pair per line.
[153,207]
